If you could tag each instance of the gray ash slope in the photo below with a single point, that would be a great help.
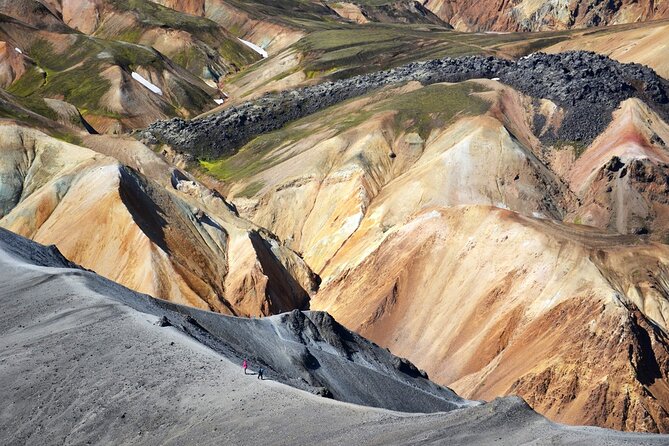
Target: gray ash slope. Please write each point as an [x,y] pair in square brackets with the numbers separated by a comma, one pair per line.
[587,85]
[79,365]
[309,351]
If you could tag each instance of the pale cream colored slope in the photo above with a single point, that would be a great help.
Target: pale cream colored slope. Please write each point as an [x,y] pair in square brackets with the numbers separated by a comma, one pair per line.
[491,303]
[375,174]
[174,244]
[350,11]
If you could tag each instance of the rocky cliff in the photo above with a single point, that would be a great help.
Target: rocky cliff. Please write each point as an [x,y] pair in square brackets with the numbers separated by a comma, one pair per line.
[530,15]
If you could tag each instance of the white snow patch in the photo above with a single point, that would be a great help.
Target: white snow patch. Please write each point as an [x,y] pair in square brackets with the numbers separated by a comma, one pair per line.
[138,77]
[428,216]
[494,79]
[351,223]
[256,48]
[219,101]
[18,50]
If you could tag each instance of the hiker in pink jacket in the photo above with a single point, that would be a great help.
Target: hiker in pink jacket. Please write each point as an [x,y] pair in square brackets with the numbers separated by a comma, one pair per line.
[244,366]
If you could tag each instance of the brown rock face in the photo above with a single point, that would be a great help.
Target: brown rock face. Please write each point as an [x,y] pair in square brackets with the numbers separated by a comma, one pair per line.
[193,7]
[543,323]
[12,64]
[532,15]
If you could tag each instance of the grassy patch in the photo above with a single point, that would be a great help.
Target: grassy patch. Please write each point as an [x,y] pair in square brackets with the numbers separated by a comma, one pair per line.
[38,105]
[83,87]
[68,137]
[27,84]
[577,147]
[253,157]
[251,189]
[436,105]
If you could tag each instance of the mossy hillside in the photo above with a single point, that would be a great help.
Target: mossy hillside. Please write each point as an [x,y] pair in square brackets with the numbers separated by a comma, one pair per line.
[255,156]
[18,110]
[421,111]
[86,49]
[29,83]
[153,15]
[251,189]
[205,33]
[35,113]
[297,14]
[75,75]
[347,51]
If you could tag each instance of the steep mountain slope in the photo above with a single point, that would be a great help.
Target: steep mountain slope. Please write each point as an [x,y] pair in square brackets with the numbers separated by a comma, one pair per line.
[310,351]
[80,365]
[272,25]
[492,303]
[177,241]
[389,199]
[531,15]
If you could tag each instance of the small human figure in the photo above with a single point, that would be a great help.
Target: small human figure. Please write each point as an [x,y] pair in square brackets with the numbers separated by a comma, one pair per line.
[260,373]
[245,365]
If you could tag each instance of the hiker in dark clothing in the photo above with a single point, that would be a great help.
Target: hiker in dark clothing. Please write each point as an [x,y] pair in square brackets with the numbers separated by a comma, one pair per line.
[260,373]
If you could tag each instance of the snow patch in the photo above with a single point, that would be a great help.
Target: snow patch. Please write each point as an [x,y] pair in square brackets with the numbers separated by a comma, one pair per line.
[256,48]
[494,79]
[138,77]
[18,50]
[219,101]
[351,223]
[428,216]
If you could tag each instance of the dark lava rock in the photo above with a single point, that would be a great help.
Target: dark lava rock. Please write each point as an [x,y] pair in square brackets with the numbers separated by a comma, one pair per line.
[405,366]
[587,85]
[163,322]
[614,164]
[323,391]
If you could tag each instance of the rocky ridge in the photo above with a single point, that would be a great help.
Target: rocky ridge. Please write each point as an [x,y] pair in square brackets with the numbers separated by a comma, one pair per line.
[587,85]
[306,350]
